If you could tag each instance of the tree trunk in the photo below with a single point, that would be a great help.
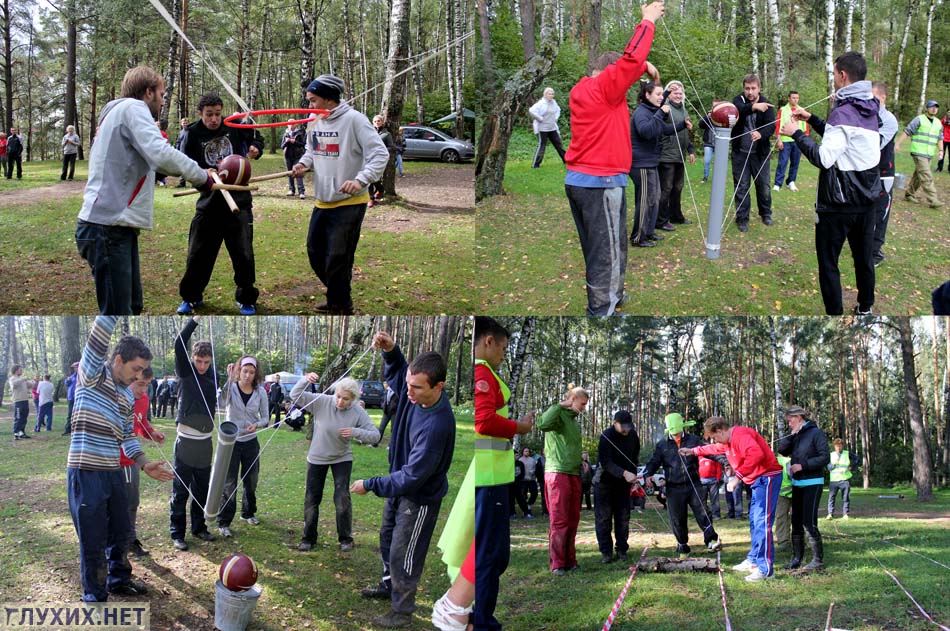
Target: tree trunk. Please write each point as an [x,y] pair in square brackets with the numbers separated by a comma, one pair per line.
[517,364]
[7,65]
[864,26]
[7,326]
[306,16]
[183,69]
[754,25]
[417,74]
[70,117]
[488,67]
[900,56]
[777,43]
[254,89]
[593,33]
[922,460]
[830,43]
[779,418]
[849,25]
[173,38]
[930,23]
[70,344]
[526,8]
[395,83]
[498,125]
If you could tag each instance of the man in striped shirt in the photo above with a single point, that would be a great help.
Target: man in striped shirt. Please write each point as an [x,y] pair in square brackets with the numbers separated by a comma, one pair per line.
[102,425]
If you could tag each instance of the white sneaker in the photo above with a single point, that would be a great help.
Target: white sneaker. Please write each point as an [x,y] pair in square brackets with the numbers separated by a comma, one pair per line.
[442,614]
[745,566]
[254,521]
[792,187]
[224,531]
[756,575]
[776,188]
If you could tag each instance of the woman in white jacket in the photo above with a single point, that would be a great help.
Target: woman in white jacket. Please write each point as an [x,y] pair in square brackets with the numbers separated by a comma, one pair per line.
[545,114]
[245,401]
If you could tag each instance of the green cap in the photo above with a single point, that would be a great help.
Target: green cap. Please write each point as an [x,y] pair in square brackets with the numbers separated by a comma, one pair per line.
[675,424]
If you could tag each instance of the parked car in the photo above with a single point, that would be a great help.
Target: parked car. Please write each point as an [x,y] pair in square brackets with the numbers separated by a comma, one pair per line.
[426,142]
[372,393]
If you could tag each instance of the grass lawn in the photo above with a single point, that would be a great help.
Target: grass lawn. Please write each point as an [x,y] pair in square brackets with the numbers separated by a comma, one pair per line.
[529,249]
[39,551]
[399,264]
[865,598]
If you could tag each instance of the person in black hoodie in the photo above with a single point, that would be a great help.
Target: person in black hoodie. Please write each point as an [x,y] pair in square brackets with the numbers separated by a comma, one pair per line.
[751,150]
[682,483]
[195,426]
[647,128]
[617,457]
[420,454]
[807,446]
[207,142]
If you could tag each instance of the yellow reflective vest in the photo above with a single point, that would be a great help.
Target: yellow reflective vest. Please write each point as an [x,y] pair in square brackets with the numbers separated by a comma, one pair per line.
[925,139]
[840,466]
[494,463]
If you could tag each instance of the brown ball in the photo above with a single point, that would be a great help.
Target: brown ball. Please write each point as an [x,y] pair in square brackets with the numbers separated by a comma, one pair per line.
[238,572]
[721,112]
[234,169]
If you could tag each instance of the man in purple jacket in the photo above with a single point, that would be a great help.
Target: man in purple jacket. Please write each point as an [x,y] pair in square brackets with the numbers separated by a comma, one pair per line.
[420,454]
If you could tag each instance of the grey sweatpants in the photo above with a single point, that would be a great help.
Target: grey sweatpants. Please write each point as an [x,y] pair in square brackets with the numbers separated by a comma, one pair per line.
[600,215]
[131,475]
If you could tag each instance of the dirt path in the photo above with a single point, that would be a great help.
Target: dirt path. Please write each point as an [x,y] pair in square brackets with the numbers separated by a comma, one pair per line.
[41,194]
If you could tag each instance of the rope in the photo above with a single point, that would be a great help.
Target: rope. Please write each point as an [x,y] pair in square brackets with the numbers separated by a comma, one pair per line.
[722,590]
[917,553]
[623,593]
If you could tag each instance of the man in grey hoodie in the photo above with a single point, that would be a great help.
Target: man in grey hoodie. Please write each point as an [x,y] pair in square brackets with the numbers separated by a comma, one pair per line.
[119,196]
[346,154]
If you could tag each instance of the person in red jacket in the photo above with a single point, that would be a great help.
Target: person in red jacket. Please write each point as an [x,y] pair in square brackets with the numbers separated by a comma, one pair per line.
[710,475]
[945,121]
[599,158]
[140,427]
[755,464]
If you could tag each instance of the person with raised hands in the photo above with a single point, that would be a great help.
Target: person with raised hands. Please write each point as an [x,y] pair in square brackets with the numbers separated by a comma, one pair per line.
[420,454]
[245,404]
[194,425]
[337,418]
[599,158]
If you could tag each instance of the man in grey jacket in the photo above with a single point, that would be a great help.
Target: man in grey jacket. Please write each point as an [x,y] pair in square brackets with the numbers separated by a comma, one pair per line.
[71,144]
[118,200]
[346,154]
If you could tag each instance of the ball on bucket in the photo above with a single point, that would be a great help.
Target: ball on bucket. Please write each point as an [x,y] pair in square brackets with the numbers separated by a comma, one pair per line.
[234,169]
[238,572]
[721,112]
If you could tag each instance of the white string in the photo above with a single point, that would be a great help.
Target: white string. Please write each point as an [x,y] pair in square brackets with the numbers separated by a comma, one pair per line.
[689,184]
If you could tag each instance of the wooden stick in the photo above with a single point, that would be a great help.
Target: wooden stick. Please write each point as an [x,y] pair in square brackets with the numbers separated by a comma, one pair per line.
[227,196]
[217,187]
[272,176]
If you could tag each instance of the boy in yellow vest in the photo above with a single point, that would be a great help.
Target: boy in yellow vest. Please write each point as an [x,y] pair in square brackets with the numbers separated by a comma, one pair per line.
[840,467]
[926,134]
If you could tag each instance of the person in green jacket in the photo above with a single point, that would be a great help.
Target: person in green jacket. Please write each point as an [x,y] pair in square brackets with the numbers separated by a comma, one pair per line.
[840,467]
[562,476]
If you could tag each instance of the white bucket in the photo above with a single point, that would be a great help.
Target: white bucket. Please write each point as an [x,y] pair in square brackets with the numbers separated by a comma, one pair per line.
[900,181]
[233,610]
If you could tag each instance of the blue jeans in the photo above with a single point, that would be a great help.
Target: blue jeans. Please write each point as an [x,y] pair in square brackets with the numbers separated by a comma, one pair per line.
[789,150]
[708,153]
[399,164]
[100,512]
[46,412]
[493,552]
[112,253]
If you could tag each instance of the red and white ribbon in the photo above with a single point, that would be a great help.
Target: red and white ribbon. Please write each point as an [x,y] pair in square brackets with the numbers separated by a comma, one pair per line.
[623,593]
[722,589]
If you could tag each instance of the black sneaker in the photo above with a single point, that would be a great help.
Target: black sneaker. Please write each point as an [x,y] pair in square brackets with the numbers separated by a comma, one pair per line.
[643,244]
[862,312]
[137,549]
[180,544]
[655,237]
[622,556]
[305,546]
[767,220]
[606,558]
[743,227]
[379,592]
[878,260]
[130,588]
[205,536]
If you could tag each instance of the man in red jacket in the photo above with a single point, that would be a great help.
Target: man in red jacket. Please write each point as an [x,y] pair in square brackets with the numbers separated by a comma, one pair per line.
[599,158]
[755,464]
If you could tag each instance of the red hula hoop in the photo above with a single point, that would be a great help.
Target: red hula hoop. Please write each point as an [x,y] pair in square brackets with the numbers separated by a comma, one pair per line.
[314,115]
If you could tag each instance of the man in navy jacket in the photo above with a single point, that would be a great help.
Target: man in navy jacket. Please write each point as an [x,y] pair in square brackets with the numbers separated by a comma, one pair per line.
[420,454]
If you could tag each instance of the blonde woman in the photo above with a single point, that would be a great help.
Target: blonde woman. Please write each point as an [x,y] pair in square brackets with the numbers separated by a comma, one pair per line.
[545,114]
[337,418]
[562,476]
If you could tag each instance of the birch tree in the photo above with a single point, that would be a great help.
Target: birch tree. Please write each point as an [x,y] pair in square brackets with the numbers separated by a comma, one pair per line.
[777,43]
[394,87]
[754,23]
[830,44]
[849,24]
[773,339]
[900,55]
[930,23]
